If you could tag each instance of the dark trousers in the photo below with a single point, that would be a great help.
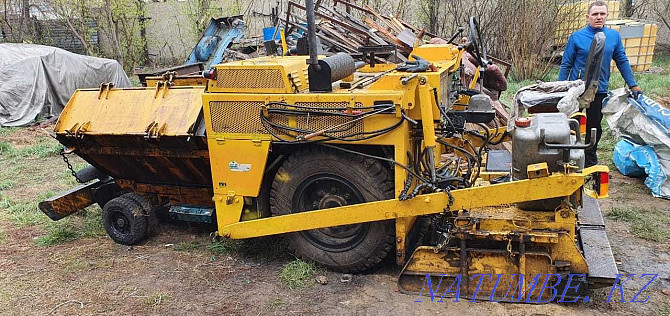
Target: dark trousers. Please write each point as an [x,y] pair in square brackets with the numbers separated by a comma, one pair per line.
[594,116]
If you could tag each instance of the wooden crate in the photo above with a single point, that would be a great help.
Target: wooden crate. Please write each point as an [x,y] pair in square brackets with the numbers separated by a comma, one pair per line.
[639,39]
[572,17]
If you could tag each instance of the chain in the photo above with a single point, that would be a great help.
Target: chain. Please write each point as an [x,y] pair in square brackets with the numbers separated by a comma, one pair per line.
[69,166]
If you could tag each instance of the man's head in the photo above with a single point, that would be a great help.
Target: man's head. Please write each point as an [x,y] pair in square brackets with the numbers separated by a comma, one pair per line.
[597,14]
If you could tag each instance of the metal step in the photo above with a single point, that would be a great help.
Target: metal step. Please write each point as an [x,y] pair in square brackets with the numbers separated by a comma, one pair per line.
[595,244]
[192,213]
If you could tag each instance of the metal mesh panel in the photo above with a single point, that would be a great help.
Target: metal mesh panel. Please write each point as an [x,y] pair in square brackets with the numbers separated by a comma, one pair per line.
[250,79]
[236,117]
[316,123]
[244,117]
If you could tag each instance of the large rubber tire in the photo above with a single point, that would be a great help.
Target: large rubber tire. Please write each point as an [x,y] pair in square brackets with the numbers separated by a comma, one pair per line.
[124,220]
[149,210]
[316,179]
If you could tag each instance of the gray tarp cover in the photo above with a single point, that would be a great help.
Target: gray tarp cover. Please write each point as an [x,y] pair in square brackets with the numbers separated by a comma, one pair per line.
[38,80]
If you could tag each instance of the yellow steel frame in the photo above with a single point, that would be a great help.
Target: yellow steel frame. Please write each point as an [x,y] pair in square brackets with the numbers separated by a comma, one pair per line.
[558,185]
[416,97]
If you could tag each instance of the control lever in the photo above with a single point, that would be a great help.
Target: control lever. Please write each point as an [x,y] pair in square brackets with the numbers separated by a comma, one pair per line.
[456,34]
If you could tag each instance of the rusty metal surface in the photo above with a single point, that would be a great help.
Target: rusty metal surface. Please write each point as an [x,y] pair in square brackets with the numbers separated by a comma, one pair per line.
[69,202]
[199,196]
[171,160]
[180,70]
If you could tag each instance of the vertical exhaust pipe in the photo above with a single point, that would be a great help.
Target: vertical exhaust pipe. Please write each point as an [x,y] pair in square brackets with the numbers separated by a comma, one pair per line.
[311,36]
[322,73]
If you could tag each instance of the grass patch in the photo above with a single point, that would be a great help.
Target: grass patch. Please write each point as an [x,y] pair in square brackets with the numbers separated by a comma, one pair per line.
[58,234]
[297,274]
[649,224]
[3,236]
[156,299]
[5,201]
[42,149]
[664,310]
[5,147]
[187,246]
[223,246]
[264,249]
[92,222]
[6,184]
[6,131]
[24,214]
[653,84]
[274,303]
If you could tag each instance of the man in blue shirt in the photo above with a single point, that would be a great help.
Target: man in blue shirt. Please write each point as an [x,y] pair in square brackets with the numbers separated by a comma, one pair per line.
[574,62]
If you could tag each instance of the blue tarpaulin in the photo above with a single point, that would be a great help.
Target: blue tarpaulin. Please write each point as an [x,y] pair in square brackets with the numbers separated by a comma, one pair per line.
[635,160]
[644,124]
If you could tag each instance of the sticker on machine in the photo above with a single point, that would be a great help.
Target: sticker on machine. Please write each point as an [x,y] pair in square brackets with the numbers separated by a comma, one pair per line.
[239,167]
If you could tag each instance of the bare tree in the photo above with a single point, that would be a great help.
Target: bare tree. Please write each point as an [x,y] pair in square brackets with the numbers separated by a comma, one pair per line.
[75,15]
[121,21]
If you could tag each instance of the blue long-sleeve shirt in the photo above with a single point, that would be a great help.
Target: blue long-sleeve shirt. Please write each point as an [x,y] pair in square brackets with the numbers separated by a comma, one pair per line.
[577,50]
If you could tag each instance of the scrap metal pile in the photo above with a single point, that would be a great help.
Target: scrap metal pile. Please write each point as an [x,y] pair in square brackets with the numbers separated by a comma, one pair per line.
[345,27]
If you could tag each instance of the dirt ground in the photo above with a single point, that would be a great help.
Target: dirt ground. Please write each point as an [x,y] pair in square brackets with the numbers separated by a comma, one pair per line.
[177,272]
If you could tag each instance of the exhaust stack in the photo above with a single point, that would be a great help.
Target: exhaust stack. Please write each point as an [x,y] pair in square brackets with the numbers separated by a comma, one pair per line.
[322,73]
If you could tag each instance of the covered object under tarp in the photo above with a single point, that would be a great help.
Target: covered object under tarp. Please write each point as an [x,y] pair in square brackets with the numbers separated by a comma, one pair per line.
[38,80]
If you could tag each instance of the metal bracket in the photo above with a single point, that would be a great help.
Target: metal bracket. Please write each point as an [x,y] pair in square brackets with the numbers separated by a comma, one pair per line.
[154,132]
[166,83]
[105,87]
[77,131]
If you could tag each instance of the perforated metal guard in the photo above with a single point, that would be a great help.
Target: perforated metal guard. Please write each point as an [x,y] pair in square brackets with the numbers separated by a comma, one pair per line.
[317,123]
[250,79]
[244,117]
[236,117]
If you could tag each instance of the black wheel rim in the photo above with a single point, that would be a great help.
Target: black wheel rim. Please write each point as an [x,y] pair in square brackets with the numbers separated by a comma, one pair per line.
[326,191]
[120,222]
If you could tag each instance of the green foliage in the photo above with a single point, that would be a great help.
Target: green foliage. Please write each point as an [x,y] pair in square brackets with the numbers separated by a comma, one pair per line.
[263,249]
[649,224]
[5,201]
[92,222]
[6,184]
[42,149]
[274,303]
[58,234]
[156,299]
[199,12]
[224,246]
[6,131]
[653,85]
[187,246]
[5,147]
[296,274]
[664,310]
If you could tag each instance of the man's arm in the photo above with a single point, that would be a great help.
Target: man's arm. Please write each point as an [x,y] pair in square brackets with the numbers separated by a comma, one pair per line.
[568,59]
[622,63]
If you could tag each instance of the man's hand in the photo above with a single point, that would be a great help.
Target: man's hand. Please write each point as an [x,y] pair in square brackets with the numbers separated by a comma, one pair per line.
[635,92]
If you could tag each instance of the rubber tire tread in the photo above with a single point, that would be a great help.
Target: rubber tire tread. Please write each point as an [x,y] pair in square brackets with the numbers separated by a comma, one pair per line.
[134,212]
[149,211]
[371,178]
